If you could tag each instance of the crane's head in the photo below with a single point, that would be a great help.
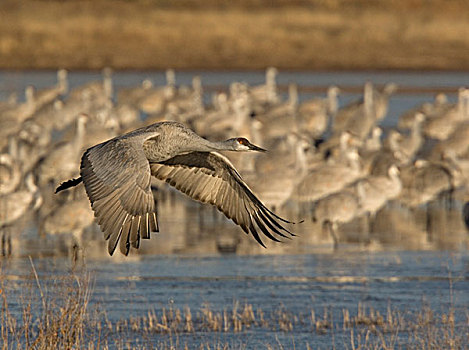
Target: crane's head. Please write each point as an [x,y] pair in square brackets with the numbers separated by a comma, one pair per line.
[242,144]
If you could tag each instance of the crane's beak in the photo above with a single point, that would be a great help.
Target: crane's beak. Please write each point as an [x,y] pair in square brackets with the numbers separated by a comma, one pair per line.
[256,148]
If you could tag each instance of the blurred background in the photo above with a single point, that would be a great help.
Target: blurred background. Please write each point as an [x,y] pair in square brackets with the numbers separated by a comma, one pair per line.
[364,108]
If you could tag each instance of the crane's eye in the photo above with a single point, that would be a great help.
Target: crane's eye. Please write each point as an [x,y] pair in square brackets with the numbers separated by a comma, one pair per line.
[242,141]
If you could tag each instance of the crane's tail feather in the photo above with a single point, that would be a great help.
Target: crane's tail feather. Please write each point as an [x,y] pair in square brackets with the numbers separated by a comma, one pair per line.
[68,184]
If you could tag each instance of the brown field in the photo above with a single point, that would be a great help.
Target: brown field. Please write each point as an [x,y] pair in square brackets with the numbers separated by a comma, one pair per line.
[247,34]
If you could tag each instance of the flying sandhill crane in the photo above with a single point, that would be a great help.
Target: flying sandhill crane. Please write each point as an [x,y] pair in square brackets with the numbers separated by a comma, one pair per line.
[117,178]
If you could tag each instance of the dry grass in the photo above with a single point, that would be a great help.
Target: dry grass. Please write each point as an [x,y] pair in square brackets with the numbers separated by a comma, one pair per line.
[251,34]
[52,315]
[56,314]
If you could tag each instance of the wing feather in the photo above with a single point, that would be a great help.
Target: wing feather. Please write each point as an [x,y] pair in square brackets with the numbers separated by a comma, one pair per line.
[153,225]
[143,230]
[210,178]
[112,244]
[264,229]
[254,233]
[117,180]
[135,227]
[271,227]
[124,243]
[126,227]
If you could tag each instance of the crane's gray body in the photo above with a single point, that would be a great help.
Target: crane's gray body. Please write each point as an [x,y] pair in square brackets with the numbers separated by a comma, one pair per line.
[117,178]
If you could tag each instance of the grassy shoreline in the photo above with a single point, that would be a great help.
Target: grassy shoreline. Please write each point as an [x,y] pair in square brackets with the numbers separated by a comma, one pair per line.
[252,34]
[59,312]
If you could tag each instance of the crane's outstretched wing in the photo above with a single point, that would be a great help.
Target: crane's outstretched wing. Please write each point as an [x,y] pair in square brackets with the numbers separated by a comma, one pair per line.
[210,178]
[117,180]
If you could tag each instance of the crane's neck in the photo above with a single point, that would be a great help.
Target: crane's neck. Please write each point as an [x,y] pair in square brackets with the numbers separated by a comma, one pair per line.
[393,142]
[416,133]
[210,146]
[13,147]
[30,185]
[393,175]
[271,84]
[293,95]
[107,83]
[354,160]
[62,81]
[332,102]
[80,132]
[241,116]
[301,161]
[368,100]
[197,144]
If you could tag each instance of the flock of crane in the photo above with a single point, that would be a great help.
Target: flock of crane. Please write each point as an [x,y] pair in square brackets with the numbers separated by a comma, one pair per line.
[327,164]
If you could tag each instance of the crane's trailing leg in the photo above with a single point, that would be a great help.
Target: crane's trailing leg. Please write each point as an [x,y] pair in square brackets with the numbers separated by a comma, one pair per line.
[68,184]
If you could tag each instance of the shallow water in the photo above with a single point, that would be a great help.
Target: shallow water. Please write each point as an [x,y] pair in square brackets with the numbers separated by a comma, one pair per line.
[297,284]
